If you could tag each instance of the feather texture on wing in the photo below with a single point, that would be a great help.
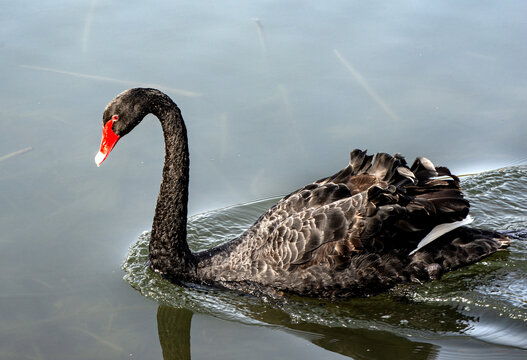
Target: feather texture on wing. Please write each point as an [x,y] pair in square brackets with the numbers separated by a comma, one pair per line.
[351,233]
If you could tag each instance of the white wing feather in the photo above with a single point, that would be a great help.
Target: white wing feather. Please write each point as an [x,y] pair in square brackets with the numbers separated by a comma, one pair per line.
[440,230]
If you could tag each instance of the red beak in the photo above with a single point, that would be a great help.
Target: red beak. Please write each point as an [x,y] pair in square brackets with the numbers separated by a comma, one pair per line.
[109,139]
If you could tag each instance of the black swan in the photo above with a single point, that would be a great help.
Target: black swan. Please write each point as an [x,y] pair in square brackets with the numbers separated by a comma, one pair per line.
[375,224]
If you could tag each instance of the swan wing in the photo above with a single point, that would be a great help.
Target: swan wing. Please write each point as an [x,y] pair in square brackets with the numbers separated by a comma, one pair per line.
[367,207]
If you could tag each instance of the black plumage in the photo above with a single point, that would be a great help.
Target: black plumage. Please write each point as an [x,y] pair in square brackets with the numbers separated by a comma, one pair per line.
[349,234]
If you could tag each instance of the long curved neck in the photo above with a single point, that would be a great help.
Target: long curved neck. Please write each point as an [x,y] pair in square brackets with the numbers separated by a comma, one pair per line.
[169,251]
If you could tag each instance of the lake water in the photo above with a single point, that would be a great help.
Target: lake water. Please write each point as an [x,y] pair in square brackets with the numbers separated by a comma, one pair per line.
[275,95]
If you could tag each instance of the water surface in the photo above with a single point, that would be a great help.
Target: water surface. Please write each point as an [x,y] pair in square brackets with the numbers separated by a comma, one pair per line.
[275,95]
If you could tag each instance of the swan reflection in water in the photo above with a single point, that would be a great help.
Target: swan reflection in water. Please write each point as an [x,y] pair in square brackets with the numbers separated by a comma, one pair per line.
[174,335]
[414,329]
[173,327]
[393,338]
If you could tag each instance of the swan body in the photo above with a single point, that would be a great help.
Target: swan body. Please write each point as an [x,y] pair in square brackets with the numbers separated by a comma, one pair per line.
[376,223]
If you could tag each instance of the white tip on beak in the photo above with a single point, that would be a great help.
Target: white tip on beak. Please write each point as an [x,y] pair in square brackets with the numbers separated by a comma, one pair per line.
[99,158]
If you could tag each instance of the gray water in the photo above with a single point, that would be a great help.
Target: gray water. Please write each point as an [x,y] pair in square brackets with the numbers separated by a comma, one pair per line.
[275,95]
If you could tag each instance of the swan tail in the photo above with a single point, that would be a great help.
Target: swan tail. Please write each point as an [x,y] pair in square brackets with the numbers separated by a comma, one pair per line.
[410,207]
[461,246]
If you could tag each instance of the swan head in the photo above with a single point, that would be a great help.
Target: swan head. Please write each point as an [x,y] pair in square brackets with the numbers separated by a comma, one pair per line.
[121,116]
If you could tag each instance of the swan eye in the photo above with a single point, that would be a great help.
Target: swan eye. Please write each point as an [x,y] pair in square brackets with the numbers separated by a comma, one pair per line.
[114,118]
